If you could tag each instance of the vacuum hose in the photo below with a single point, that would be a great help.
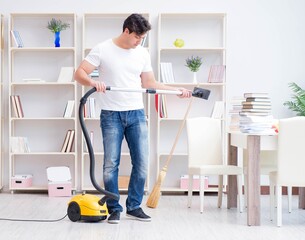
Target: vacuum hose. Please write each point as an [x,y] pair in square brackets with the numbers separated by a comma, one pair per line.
[107,194]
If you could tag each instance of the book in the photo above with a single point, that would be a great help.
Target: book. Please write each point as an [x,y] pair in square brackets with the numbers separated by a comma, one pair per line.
[216,74]
[248,113]
[254,103]
[70,141]
[257,110]
[19,145]
[247,107]
[256,95]
[17,106]
[69,109]
[65,143]
[167,74]
[94,73]
[144,40]
[33,80]
[14,107]
[163,106]
[218,109]
[157,105]
[17,38]
[66,74]
[258,99]
[91,109]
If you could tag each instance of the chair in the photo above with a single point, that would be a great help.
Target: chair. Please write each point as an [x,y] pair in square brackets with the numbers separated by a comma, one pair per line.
[205,157]
[290,160]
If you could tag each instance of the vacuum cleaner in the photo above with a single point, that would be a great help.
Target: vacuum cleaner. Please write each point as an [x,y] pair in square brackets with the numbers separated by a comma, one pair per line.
[88,207]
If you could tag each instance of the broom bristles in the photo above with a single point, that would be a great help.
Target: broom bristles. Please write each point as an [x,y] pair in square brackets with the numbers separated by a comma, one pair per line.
[155,194]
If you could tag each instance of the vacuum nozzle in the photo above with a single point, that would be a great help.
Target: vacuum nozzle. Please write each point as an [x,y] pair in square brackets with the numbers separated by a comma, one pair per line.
[201,93]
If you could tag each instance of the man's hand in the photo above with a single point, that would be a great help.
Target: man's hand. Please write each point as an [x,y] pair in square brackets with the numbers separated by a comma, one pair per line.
[100,86]
[185,93]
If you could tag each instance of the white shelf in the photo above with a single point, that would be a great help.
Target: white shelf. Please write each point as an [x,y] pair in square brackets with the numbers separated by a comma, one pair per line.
[44,153]
[43,103]
[204,36]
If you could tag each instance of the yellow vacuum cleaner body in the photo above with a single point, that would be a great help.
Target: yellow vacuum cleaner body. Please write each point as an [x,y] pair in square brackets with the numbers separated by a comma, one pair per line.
[86,207]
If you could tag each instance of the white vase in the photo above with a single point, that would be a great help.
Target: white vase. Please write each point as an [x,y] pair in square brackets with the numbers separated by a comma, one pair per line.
[194,77]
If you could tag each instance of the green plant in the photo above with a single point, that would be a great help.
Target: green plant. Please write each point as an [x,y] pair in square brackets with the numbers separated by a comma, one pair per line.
[57,25]
[193,63]
[298,103]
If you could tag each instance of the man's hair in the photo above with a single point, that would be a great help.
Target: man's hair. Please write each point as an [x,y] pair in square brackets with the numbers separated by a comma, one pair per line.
[136,23]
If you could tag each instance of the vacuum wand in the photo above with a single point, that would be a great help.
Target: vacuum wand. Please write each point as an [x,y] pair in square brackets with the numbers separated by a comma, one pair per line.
[197,92]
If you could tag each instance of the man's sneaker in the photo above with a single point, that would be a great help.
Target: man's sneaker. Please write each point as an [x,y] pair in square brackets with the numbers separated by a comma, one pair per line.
[138,214]
[114,217]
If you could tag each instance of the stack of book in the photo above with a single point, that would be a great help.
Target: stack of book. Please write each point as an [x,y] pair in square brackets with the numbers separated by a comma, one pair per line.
[16,106]
[19,145]
[160,105]
[217,74]
[255,116]
[69,109]
[94,74]
[89,108]
[236,107]
[68,141]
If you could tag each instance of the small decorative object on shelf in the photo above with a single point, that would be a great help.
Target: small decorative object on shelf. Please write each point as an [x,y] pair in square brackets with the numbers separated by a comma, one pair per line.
[179,43]
[194,63]
[56,26]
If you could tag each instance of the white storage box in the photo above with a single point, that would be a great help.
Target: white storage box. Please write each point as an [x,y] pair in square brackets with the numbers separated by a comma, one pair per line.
[184,180]
[22,181]
[59,181]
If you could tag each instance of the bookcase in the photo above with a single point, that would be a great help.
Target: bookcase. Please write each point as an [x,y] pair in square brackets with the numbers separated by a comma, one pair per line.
[204,35]
[36,135]
[98,27]
[1,89]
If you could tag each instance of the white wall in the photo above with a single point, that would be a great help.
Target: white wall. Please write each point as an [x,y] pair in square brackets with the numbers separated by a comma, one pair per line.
[265,39]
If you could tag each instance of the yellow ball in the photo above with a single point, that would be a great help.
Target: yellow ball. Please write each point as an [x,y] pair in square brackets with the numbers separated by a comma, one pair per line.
[179,43]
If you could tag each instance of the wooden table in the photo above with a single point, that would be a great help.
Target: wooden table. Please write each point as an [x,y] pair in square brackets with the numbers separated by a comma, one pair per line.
[254,143]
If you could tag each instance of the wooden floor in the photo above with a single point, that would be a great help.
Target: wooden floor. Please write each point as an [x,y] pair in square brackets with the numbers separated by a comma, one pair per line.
[170,220]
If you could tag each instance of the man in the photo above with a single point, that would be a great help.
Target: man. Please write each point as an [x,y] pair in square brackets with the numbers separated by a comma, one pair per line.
[122,62]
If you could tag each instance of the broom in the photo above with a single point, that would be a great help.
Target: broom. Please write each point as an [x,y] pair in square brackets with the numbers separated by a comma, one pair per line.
[155,194]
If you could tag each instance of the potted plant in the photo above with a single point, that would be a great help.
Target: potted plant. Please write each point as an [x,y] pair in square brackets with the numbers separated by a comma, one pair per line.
[194,63]
[297,104]
[56,26]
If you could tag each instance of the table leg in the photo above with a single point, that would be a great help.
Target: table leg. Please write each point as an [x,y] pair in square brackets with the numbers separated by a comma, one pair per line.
[302,197]
[253,177]
[232,179]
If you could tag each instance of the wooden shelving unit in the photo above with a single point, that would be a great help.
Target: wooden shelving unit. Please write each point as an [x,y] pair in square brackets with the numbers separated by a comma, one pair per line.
[204,35]
[43,102]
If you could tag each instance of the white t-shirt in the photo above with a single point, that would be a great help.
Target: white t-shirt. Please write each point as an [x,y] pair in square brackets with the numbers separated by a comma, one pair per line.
[120,67]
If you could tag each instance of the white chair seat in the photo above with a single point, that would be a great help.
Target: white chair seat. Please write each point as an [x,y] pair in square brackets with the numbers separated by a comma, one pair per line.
[216,170]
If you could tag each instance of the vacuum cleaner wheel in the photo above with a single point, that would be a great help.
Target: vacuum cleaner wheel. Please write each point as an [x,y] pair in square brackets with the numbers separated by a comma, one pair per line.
[74,212]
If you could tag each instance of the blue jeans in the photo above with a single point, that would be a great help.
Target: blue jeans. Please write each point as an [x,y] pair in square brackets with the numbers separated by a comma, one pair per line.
[115,126]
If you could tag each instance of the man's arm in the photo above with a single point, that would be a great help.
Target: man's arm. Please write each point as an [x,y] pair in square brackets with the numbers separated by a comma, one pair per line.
[81,76]
[149,81]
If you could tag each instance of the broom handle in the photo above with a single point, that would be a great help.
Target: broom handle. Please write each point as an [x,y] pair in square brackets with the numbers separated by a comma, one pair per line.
[178,135]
